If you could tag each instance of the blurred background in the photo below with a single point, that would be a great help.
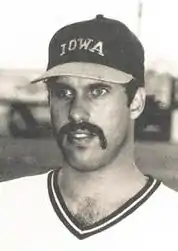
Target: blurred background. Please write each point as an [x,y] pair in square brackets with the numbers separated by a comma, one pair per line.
[26,143]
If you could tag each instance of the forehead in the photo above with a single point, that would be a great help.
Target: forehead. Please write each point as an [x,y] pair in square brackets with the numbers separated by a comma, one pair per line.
[79,82]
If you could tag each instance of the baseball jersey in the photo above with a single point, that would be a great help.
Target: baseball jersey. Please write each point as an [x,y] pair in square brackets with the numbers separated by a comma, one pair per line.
[34,217]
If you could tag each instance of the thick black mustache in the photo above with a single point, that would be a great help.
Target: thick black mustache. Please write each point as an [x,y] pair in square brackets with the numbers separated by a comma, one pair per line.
[93,129]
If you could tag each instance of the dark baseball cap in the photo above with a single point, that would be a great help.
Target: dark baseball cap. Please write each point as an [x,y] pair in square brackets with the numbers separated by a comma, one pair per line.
[100,48]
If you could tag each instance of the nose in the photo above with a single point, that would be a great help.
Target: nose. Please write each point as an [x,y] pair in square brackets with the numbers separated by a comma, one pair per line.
[79,110]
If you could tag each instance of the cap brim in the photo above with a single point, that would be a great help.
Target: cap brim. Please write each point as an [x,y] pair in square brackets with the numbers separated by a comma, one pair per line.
[86,70]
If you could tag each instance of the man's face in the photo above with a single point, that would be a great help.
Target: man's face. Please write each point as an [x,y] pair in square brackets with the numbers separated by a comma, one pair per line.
[90,120]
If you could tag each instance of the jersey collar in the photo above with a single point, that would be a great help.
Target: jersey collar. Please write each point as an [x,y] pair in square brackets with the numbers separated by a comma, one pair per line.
[124,211]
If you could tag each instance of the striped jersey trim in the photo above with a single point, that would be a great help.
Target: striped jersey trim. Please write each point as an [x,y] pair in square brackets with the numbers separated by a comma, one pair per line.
[73,225]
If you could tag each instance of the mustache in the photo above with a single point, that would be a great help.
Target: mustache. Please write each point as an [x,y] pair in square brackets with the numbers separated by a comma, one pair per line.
[93,129]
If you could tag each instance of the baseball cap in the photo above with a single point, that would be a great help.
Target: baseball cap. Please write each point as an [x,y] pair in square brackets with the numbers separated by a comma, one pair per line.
[100,48]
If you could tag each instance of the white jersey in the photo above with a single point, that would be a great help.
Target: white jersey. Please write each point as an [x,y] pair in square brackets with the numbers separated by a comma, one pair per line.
[33,217]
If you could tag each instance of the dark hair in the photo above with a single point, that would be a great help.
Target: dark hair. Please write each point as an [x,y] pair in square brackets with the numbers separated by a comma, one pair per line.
[131,89]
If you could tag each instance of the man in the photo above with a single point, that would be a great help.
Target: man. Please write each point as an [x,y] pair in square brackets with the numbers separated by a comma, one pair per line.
[98,197]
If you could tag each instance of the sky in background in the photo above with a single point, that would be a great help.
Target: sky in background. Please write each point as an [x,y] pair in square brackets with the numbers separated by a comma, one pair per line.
[26,27]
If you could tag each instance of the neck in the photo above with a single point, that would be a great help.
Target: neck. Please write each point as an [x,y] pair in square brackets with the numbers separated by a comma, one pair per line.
[92,196]
[116,181]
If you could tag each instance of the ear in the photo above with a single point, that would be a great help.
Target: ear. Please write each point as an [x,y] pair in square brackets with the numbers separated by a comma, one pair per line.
[48,94]
[138,103]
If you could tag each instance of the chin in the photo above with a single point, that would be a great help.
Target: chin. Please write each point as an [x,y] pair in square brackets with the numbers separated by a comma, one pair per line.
[83,162]
[82,165]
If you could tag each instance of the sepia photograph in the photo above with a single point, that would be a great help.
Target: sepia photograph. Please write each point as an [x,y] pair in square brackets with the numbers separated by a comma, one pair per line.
[88,125]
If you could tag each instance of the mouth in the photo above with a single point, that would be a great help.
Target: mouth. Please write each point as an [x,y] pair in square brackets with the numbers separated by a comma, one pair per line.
[80,136]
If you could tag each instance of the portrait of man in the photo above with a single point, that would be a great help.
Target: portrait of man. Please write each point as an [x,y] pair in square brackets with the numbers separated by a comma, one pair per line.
[97,198]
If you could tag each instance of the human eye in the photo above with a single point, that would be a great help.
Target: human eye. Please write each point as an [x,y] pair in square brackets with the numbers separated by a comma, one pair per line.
[64,93]
[98,91]
[61,91]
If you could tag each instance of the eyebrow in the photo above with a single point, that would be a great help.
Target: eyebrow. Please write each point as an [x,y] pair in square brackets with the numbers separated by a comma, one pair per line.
[99,84]
[54,83]
[58,85]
